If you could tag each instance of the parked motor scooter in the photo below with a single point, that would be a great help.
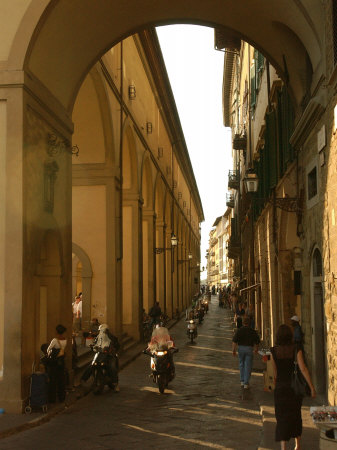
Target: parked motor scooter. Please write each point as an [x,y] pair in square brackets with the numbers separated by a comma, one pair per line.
[200,315]
[162,366]
[192,329]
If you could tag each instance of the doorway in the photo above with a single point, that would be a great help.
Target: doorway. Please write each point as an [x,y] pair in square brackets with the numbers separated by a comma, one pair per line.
[318,323]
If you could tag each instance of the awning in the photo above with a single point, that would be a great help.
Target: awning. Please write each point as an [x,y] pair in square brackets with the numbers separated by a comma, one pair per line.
[249,288]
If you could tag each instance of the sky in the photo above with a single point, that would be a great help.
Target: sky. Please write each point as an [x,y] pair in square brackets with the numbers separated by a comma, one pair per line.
[195,70]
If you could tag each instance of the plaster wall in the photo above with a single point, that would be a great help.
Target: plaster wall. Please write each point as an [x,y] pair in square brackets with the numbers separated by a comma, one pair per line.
[88,131]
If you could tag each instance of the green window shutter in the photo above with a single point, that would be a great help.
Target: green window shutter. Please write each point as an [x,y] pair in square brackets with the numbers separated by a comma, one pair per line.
[259,65]
[252,87]
[281,156]
[286,127]
[271,147]
[260,61]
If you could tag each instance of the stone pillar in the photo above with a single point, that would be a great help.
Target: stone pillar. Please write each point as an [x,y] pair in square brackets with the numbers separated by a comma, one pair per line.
[169,255]
[114,292]
[132,264]
[35,234]
[148,259]
[160,265]
[174,261]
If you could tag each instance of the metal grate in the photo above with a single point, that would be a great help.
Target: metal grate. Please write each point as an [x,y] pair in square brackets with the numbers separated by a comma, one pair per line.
[334,30]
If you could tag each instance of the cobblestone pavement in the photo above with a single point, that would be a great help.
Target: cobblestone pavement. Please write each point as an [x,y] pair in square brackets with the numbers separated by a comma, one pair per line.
[201,409]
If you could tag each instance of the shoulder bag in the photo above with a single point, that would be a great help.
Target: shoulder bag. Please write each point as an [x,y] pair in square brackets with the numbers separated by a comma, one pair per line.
[298,382]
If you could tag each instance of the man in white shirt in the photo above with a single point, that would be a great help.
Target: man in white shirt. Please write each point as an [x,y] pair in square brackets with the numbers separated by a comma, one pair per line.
[77,313]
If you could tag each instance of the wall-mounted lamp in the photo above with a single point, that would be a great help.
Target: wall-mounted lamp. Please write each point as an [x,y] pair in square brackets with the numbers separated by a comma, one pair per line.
[190,256]
[174,243]
[290,204]
[132,92]
[251,181]
[174,240]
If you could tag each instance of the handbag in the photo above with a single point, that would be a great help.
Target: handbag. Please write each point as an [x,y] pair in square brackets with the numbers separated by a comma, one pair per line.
[298,383]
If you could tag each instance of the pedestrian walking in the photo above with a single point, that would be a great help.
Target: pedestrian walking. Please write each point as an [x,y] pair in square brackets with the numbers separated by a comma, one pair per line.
[56,366]
[239,315]
[298,333]
[245,341]
[287,403]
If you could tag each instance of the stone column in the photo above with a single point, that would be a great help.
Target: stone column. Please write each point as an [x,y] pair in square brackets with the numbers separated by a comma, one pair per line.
[114,292]
[148,259]
[35,233]
[160,265]
[169,255]
[132,264]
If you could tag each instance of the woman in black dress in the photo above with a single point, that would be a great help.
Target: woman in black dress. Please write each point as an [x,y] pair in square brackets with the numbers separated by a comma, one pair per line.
[287,404]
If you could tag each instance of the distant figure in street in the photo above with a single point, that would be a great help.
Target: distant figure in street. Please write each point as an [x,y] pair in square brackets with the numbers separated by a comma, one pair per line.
[155,313]
[245,341]
[298,333]
[287,403]
[239,315]
[77,313]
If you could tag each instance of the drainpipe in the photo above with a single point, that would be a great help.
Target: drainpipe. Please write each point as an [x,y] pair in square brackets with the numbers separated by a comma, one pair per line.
[120,256]
[121,156]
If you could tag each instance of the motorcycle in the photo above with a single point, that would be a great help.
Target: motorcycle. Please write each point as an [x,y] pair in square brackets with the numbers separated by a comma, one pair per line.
[162,366]
[192,328]
[102,369]
[200,315]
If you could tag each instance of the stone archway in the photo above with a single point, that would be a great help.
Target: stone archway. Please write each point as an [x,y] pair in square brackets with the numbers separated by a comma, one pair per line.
[97,27]
[47,48]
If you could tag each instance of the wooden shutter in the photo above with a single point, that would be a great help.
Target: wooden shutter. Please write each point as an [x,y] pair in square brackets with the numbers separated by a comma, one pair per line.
[271,147]
[252,87]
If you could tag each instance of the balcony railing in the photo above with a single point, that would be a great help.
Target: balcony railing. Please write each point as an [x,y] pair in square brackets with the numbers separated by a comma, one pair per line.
[233,250]
[230,200]
[240,142]
[233,179]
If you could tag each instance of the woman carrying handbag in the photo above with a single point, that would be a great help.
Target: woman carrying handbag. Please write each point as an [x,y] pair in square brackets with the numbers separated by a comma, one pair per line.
[56,366]
[287,403]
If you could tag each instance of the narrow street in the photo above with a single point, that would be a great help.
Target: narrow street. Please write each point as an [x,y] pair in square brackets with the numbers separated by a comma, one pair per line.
[201,409]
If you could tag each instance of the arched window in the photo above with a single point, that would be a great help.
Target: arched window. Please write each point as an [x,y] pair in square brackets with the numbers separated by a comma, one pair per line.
[317,263]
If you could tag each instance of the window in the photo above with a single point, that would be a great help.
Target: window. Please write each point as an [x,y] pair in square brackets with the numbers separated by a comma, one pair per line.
[317,268]
[312,183]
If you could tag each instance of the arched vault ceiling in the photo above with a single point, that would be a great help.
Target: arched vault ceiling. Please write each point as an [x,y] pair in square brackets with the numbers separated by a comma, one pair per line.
[71,35]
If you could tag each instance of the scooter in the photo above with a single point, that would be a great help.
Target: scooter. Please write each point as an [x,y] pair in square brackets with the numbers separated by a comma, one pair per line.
[101,369]
[162,366]
[200,315]
[192,330]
